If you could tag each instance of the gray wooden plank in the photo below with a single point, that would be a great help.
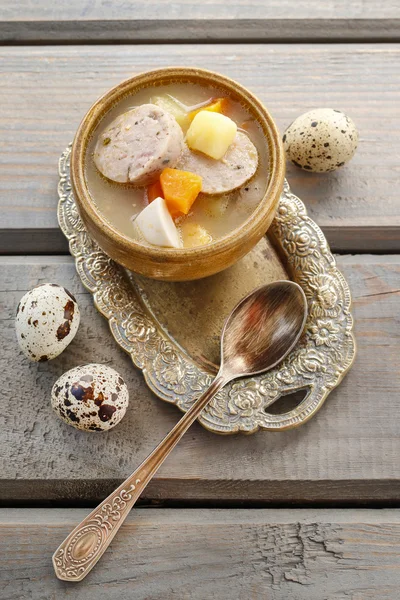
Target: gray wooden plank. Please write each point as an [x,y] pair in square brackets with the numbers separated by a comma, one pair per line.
[161,20]
[207,9]
[347,453]
[44,93]
[210,555]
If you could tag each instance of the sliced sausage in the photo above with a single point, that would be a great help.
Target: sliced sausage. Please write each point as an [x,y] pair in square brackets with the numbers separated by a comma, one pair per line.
[236,167]
[138,145]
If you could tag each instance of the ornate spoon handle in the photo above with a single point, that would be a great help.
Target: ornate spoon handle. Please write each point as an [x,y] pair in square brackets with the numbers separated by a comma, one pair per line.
[86,544]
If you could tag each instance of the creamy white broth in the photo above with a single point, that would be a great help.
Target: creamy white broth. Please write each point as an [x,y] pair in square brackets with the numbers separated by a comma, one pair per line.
[220,214]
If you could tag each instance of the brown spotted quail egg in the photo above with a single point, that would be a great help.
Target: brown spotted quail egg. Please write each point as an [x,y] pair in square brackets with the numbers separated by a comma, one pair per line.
[321,140]
[92,397]
[46,322]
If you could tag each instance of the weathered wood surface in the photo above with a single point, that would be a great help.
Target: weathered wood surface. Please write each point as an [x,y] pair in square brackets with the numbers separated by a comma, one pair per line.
[158,20]
[211,555]
[347,453]
[45,92]
[85,10]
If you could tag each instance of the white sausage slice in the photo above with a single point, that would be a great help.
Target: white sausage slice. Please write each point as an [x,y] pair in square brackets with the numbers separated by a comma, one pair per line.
[138,145]
[236,167]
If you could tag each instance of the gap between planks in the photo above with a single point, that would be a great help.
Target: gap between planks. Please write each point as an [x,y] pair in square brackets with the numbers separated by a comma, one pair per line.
[200,31]
[199,494]
[342,240]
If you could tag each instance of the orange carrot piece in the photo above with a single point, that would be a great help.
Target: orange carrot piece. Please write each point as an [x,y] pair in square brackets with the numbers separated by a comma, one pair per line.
[154,191]
[217,105]
[180,189]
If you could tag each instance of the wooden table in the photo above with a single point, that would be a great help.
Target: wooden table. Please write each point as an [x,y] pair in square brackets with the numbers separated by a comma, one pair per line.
[280,516]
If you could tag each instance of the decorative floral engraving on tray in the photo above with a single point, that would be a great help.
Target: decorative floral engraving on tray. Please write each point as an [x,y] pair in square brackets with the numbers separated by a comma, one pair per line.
[318,364]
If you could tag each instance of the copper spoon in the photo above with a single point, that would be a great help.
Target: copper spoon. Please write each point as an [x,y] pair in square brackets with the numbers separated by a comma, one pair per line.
[260,331]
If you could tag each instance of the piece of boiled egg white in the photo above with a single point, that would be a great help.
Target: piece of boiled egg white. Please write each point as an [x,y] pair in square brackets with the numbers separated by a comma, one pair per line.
[157,226]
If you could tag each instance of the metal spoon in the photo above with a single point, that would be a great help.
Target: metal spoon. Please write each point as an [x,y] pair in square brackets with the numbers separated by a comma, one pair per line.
[260,331]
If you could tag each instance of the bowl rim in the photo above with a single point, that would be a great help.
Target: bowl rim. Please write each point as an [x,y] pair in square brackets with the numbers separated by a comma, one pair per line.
[162,76]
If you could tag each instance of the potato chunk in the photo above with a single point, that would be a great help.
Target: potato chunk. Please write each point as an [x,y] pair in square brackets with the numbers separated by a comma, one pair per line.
[194,235]
[211,133]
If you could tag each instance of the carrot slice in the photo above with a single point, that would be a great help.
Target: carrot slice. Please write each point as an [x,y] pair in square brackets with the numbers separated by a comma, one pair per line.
[217,105]
[154,191]
[180,189]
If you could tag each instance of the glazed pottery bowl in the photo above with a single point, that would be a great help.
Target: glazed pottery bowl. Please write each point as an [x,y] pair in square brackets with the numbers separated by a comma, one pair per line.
[169,263]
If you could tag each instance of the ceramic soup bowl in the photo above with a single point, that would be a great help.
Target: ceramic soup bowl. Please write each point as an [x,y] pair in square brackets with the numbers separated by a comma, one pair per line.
[169,263]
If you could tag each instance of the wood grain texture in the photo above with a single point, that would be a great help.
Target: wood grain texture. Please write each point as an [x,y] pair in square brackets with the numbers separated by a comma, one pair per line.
[211,555]
[347,453]
[45,92]
[161,20]
[208,9]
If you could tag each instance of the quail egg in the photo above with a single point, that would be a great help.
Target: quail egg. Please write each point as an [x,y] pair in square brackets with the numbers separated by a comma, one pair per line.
[92,397]
[46,322]
[321,140]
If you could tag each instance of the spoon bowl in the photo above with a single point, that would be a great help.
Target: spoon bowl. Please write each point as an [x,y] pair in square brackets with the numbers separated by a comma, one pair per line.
[260,331]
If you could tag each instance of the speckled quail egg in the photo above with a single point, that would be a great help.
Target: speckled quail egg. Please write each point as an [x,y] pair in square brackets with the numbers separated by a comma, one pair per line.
[321,140]
[46,322]
[92,397]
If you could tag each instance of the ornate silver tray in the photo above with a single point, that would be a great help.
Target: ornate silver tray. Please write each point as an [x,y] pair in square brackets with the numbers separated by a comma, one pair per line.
[317,365]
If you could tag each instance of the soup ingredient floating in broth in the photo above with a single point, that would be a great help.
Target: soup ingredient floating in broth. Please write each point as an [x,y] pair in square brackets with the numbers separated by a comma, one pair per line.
[175,108]
[211,133]
[92,397]
[219,105]
[154,191]
[180,190]
[321,140]
[194,235]
[237,166]
[156,225]
[138,145]
[184,114]
[46,322]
